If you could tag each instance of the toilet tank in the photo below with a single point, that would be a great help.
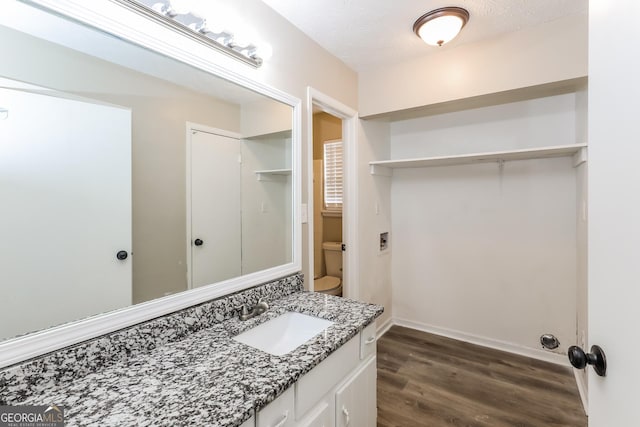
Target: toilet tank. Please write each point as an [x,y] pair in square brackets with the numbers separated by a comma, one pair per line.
[333,258]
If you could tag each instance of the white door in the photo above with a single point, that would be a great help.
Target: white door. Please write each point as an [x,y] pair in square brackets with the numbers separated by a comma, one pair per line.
[215,230]
[614,210]
[65,210]
[356,400]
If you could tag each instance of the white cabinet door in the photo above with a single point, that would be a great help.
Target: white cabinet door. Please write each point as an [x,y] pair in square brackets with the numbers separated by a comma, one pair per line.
[65,197]
[321,416]
[356,399]
[215,234]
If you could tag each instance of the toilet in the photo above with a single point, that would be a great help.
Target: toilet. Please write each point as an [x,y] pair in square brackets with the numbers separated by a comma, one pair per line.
[331,284]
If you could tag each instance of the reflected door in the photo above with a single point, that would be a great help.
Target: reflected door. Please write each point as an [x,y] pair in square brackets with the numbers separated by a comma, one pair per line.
[65,210]
[215,234]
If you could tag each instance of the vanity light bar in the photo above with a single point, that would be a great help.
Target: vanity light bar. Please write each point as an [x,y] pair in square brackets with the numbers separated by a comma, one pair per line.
[194,27]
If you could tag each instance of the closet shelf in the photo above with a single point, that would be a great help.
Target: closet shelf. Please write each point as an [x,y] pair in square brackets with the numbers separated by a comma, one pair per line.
[273,174]
[578,151]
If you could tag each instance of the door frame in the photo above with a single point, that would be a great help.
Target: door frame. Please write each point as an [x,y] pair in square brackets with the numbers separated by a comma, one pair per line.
[349,117]
[190,128]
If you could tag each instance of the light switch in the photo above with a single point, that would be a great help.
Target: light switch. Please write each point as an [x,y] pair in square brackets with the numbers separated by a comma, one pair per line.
[304,214]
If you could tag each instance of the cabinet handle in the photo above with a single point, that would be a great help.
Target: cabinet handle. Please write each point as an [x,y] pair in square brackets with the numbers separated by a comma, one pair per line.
[283,420]
[346,415]
[370,340]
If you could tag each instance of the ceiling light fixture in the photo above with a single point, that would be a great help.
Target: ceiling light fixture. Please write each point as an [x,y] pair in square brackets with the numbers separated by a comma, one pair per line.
[440,26]
[176,15]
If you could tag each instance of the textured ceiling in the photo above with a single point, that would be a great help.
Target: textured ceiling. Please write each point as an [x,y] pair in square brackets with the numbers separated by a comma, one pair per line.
[369,33]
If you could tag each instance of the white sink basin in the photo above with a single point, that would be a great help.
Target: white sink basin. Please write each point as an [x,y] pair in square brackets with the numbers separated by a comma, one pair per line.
[284,333]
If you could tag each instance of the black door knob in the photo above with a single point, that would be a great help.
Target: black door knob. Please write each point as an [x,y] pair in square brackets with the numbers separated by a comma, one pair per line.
[198,242]
[122,255]
[579,359]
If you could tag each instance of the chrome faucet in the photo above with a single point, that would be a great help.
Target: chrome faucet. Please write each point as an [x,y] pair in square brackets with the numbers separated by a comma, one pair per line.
[256,310]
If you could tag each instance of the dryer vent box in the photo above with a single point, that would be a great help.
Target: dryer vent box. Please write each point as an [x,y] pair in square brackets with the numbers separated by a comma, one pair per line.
[384,241]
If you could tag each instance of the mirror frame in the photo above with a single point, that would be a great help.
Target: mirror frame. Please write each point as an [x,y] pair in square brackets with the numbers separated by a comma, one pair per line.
[140,30]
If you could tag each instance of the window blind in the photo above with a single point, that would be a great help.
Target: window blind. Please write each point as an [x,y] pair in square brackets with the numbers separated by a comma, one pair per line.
[333,175]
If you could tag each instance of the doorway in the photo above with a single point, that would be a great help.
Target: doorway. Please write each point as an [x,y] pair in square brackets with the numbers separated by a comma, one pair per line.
[327,203]
[336,127]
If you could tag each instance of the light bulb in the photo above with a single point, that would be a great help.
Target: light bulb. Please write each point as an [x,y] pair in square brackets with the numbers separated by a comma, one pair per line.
[240,41]
[180,7]
[159,7]
[200,27]
[440,26]
[216,27]
[244,35]
[440,30]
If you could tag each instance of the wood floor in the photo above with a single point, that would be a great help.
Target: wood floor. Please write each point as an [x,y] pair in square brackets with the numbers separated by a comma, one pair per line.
[428,380]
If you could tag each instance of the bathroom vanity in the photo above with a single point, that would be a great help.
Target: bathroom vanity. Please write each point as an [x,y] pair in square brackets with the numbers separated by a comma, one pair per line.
[340,391]
[186,368]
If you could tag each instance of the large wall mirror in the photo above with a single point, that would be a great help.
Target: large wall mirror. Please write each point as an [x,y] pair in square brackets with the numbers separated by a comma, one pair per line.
[127,176]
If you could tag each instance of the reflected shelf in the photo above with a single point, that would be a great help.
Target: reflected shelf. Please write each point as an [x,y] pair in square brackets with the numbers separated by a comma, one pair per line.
[273,174]
[578,151]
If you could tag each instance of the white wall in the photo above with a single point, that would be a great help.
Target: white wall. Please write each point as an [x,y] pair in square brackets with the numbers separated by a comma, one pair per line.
[265,117]
[547,53]
[266,205]
[482,252]
[374,217]
[539,122]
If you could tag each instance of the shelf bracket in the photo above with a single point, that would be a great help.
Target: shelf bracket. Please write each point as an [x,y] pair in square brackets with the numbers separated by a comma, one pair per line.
[580,157]
[380,170]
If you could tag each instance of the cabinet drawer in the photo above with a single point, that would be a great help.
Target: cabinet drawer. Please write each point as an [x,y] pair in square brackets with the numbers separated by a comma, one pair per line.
[368,341]
[278,413]
[312,386]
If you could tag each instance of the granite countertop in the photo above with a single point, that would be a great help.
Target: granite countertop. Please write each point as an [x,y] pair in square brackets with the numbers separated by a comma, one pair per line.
[207,378]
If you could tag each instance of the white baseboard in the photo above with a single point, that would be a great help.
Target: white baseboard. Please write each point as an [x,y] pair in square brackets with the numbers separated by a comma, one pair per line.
[384,327]
[558,359]
[582,389]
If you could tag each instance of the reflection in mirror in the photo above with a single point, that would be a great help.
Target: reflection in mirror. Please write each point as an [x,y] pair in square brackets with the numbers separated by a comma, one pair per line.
[127,176]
